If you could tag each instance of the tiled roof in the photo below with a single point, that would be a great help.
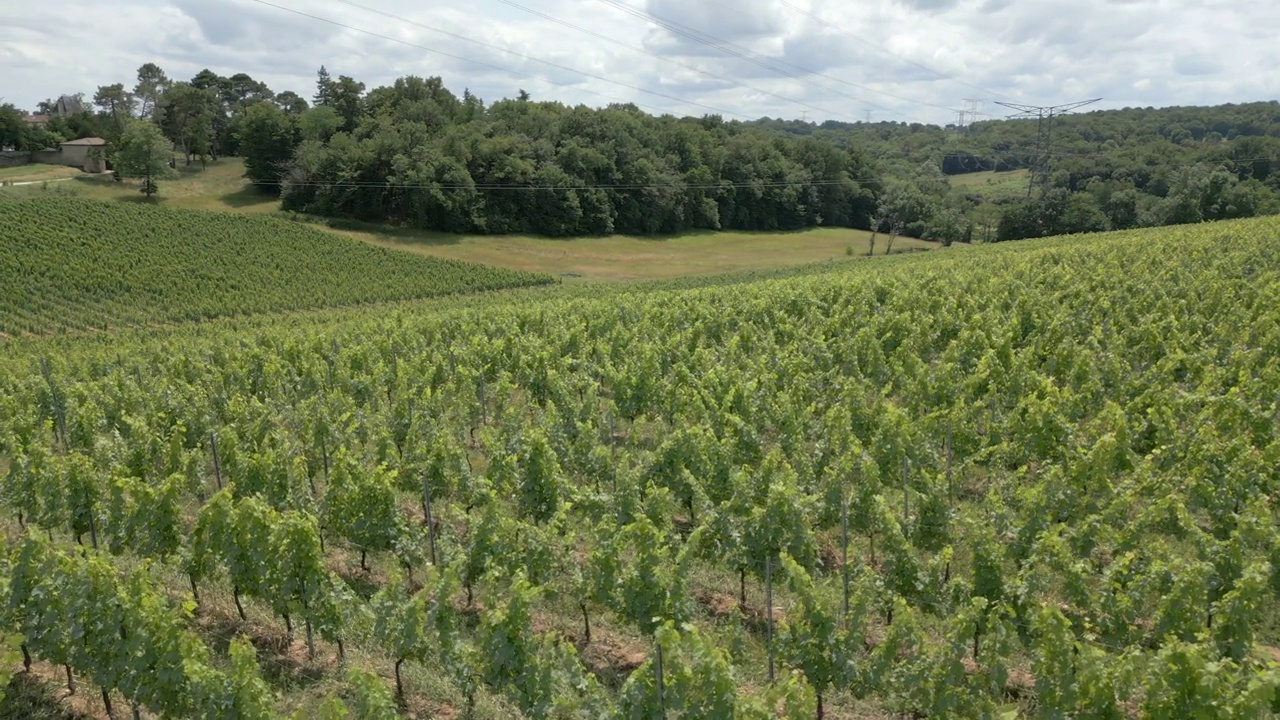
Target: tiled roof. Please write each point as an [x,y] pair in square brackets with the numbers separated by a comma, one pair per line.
[94,141]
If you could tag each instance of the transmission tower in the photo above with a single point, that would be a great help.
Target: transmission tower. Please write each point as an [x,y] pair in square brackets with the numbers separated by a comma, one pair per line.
[1044,115]
[973,110]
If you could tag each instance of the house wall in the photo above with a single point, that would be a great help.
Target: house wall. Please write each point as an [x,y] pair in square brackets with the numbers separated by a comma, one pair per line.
[47,157]
[74,155]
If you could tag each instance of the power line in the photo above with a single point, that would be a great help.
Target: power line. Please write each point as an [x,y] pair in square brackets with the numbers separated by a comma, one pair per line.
[534,188]
[866,88]
[885,50]
[746,54]
[728,185]
[663,58]
[1194,163]
[473,61]
[549,63]
[726,47]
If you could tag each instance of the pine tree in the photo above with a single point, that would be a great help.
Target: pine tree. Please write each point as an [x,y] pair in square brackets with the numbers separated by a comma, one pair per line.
[324,88]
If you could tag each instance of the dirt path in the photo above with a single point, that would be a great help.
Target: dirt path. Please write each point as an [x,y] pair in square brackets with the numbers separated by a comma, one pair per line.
[7,183]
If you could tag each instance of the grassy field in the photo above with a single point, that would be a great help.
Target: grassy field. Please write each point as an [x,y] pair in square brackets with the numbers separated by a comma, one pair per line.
[613,259]
[622,258]
[33,173]
[992,185]
[220,187]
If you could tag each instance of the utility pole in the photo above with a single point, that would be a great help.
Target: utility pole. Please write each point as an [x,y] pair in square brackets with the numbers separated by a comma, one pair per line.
[804,116]
[868,117]
[1044,115]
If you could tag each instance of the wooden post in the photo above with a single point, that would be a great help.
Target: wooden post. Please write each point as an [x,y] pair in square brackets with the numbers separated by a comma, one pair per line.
[950,489]
[324,455]
[768,600]
[657,670]
[426,510]
[217,464]
[906,492]
[844,552]
[306,622]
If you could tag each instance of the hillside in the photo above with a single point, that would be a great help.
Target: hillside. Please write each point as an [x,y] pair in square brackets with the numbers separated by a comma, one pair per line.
[93,265]
[1106,170]
[1055,460]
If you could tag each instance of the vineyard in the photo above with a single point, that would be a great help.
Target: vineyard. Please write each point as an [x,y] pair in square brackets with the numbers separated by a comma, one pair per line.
[93,266]
[1029,481]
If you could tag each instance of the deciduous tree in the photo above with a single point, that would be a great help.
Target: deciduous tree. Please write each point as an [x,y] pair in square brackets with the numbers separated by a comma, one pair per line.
[144,153]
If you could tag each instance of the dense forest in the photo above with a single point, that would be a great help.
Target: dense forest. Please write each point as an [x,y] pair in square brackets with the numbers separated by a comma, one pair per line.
[1111,169]
[414,153]
[420,155]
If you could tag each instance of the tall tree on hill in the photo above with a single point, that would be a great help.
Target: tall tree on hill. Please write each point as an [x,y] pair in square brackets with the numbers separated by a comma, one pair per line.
[208,80]
[324,88]
[218,87]
[11,126]
[152,83]
[234,96]
[904,206]
[117,103]
[319,123]
[143,152]
[347,96]
[16,133]
[266,137]
[186,115]
[292,103]
[242,91]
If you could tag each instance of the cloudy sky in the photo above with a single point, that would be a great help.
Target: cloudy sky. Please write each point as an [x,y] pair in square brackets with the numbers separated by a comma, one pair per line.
[830,59]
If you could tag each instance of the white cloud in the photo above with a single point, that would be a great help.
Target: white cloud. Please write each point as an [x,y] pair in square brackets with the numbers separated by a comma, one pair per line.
[905,59]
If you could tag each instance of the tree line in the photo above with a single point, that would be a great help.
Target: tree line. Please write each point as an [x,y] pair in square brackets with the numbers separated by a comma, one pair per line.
[1107,170]
[200,116]
[414,153]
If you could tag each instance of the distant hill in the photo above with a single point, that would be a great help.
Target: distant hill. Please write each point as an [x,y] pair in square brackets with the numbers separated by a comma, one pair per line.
[94,265]
[1106,170]
[1154,136]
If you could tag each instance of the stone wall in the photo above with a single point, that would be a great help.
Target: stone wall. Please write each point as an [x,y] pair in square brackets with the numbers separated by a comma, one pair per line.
[14,158]
[74,156]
